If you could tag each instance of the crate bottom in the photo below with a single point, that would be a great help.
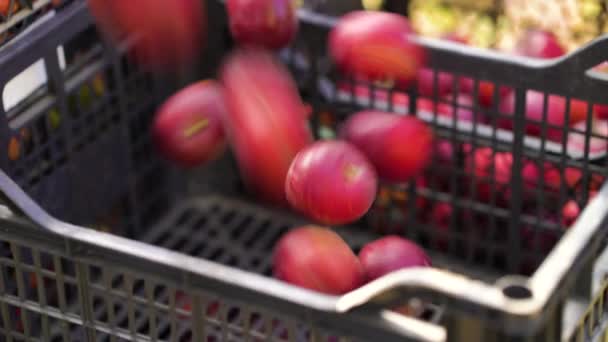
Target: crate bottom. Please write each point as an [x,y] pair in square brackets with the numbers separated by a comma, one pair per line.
[224,230]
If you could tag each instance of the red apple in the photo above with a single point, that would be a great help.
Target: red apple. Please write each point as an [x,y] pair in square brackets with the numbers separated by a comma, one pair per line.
[431,84]
[390,254]
[387,140]
[502,166]
[316,258]
[331,182]
[555,116]
[601,111]
[485,91]
[463,110]
[188,126]
[266,23]
[530,175]
[266,121]
[592,194]
[539,44]
[553,179]
[363,92]
[570,213]
[489,170]
[376,46]
[168,34]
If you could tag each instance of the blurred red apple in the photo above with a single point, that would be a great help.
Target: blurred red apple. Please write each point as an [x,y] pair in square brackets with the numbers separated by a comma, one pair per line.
[592,194]
[485,91]
[376,46]
[490,172]
[601,111]
[570,213]
[539,44]
[554,180]
[389,254]
[266,120]
[168,34]
[387,140]
[188,126]
[431,84]
[555,113]
[530,175]
[266,23]
[445,152]
[363,92]
[463,108]
[331,182]
[316,258]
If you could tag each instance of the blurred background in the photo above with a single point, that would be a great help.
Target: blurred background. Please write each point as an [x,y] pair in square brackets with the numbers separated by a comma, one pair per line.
[494,24]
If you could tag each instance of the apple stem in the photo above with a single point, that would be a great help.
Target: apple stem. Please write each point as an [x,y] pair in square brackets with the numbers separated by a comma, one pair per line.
[351,172]
[194,129]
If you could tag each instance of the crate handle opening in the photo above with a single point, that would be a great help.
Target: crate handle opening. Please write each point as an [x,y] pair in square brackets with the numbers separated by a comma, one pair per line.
[20,88]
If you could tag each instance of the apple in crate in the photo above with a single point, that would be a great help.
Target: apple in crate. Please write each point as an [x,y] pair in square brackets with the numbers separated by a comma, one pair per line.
[167,34]
[535,113]
[331,182]
[389,254]
[318,259]
[555,178]
[376,46]
[490,173]
[601,111]
[266,23]
[570,213]
[399,147]
[539,44]
[485,91]
[463,108]
[432,83]
[188,126]
[266,121]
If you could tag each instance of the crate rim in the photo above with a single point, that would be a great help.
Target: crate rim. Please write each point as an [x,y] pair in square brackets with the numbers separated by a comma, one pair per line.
[591,85]
[519,316]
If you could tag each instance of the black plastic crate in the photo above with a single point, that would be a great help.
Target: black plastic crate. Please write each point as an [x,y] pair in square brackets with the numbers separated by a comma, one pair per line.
[79,147]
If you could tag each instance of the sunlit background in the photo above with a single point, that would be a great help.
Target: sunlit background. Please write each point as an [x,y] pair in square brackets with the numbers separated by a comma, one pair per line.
[495,23]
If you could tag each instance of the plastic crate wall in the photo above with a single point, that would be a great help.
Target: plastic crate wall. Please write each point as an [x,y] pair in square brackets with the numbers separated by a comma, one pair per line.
[79,146]
[98,152]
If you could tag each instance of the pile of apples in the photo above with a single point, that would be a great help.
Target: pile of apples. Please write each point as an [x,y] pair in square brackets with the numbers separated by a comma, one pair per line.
[254,108]
[317,258]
